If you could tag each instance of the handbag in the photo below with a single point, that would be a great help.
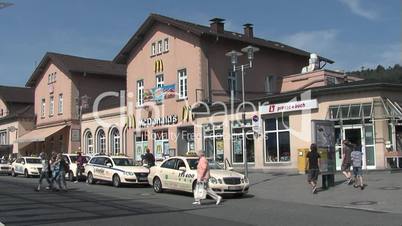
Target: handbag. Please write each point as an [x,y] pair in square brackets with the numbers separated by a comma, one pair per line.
[200,191]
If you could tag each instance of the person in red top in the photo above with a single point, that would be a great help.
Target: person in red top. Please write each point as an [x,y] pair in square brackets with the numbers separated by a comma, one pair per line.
[203,177]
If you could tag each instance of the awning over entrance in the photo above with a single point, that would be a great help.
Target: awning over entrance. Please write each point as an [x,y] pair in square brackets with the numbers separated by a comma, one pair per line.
[39,135]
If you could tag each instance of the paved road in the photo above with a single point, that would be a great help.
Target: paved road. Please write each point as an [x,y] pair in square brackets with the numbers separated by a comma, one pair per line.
[104,205]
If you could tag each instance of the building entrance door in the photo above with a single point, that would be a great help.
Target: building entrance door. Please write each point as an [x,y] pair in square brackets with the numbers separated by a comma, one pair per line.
[355,135]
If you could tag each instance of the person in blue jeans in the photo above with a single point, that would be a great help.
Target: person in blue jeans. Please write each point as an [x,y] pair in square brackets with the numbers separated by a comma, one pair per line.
[357,162]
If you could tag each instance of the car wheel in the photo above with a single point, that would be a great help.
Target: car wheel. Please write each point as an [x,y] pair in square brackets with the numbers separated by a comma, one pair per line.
[157,185]
[13,173]
[116,181]
[90,178]
[70,176]
[26,174]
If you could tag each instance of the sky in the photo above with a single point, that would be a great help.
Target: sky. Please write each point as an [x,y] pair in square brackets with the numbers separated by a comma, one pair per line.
[353,33]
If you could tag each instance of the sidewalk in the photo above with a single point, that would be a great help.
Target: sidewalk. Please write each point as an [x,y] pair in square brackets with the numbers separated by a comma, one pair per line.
[382,194]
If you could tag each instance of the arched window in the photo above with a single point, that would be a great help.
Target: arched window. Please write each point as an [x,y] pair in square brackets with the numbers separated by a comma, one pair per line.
[115,141]
[88,143]
[101,142]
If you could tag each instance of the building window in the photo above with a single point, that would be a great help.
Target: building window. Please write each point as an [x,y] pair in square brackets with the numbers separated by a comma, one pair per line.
[51,106]
[3,137]
[153,49]
[159,81]
[141,145]
[277,140]
[166,45]
[51,78]
[269,84]
[101,142]
[88,143]
[232,82]
[182,74]
[60,105]
[43,108]
[213,141]
[140,92]
[115,141]
[161,144]
[160,47]
[237,142]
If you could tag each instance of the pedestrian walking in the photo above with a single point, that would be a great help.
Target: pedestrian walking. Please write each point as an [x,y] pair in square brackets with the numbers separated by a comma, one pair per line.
[357,162]
[81,160]
[346,161]
[44,174]
[313,167]
[149,158]
[203,175]
[63,168]
[55,166]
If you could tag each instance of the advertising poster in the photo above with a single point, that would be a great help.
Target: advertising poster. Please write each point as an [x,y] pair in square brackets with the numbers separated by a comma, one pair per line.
[237,147]
[158,94]
[219,147]
[323,134]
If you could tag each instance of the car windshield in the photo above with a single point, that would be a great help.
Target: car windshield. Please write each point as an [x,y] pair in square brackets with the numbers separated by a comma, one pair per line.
[212,164]
[33,161]
[73,158]
[123,162]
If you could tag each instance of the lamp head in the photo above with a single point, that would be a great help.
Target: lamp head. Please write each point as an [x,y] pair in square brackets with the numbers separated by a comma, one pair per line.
[250,50]
[234,55]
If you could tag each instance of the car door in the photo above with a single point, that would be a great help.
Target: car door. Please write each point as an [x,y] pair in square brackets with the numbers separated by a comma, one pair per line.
[99,169]
[108,170]
[167,173]
[181,177]
[21,166]
[17,165]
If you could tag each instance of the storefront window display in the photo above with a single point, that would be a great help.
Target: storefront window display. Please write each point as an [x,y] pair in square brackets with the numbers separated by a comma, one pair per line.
[237,142]
[141,145]
[161,144]
[213,141]
[277,139]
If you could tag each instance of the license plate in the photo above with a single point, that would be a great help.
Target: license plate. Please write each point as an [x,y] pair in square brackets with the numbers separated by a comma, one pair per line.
[142,179]
[234,188]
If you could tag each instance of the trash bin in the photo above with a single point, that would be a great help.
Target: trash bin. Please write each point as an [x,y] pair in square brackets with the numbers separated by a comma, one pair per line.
[302,160]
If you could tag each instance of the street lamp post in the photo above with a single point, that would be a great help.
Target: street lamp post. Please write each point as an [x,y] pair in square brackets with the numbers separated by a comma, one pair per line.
[234,55]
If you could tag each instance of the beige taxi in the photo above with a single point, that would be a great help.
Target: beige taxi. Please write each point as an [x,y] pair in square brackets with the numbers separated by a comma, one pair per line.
[115,169]
[180,173]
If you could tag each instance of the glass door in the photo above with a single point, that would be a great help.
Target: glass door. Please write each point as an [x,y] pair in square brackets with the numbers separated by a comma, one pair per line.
[355,135]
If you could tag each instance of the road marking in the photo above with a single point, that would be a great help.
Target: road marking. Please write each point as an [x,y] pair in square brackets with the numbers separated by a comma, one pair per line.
[356,208]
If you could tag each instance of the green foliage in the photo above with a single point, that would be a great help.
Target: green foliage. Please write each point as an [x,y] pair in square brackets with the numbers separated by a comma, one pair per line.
[380,74]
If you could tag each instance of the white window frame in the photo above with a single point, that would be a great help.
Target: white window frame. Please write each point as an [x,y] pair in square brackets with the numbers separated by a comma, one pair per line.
[43,107]
[3,137]
[60,104]
[101,142]
[51,106]
[115,141]
[277,131]
[140,93]
[160,81]
[166,45]
[160,47]
[214,136]
[89,143]
[269,79]
[237,135]
[182,83]
[153,49]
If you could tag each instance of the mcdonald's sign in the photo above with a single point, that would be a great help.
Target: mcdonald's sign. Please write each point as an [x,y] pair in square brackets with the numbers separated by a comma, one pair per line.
[187,114]
[158,66]
[131,123]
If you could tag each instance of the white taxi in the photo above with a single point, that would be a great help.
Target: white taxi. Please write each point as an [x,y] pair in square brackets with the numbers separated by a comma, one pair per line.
[27,166]
[180,173]
[71,160]
[5,167]
[116,169]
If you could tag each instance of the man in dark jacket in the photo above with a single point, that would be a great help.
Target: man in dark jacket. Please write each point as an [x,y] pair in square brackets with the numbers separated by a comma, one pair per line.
[313,167]
[149,158]
[347,161]
[81,160]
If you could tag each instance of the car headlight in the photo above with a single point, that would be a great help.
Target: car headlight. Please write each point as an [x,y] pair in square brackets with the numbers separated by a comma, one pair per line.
[213,180]
[129,174]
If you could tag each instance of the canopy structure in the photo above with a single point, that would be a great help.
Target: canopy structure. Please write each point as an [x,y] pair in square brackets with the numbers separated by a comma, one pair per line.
[39,135]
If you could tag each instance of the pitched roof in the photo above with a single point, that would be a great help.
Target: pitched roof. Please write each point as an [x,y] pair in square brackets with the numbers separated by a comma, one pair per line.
[72,64]
[20,95]
[201,30]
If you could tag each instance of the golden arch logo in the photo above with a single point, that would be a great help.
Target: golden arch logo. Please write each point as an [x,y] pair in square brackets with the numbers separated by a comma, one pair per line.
[158,67]
[131,123]
[187,114]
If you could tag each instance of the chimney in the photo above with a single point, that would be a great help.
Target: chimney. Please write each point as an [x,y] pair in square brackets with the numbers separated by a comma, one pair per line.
[248,30]
[217,25]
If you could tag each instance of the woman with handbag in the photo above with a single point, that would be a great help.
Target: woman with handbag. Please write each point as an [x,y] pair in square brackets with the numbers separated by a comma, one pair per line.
[202,189]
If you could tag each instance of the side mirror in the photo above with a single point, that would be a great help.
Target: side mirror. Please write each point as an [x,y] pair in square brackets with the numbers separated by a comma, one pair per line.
[183,169]
[109,164]
[23,163]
